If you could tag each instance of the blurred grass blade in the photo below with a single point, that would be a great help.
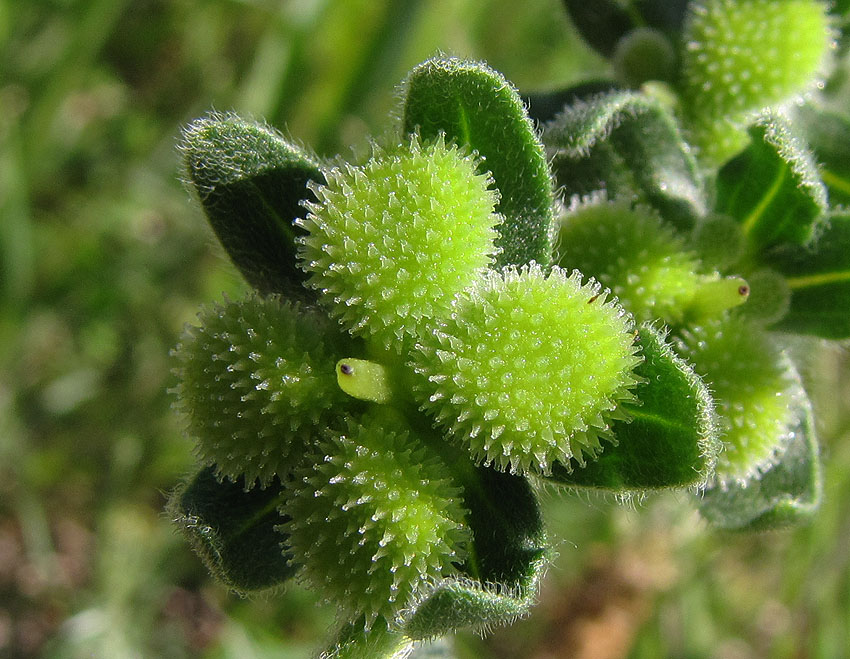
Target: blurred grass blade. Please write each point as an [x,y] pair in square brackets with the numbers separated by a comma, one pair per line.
[475,106]
[773,188]
[233,531]
[672,438]
[627,144]
[788,493]
[251,183]
[819,281]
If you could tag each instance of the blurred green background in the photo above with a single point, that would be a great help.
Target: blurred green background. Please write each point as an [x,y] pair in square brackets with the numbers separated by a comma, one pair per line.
[104,257]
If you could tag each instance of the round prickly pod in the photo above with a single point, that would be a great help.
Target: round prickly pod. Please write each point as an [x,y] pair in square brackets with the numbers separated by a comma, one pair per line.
[644,54]
[742,55]
[256,380]
[528,369]
[390,243]
[634,254]
[753,388]
[376,518]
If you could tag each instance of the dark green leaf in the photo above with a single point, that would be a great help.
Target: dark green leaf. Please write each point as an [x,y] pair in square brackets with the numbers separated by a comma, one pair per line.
[828,134]
[788,493]
[504,565]
[251,183]
[671,440]
[628,144]
[233,531]
[819,280]
[840,7]
[475,106]
[666,15]
[772,189]
[600,22]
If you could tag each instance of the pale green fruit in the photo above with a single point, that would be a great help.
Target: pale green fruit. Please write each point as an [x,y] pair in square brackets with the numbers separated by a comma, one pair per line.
[257,382]
[642,261]
[375,520]
[754,390]
[740,56]
[390,243]
[529,369]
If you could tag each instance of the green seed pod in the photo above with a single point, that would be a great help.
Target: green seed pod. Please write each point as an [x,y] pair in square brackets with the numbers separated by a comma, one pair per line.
[390,243]
[644,54]
[754,392]
[374,520]
[639,258]
[256,381]
[740,56]
[529,369]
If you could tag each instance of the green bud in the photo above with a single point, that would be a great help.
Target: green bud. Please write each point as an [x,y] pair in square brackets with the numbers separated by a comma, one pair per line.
[375,520]
[770,297]
[363,379]
[716,295]
[391,242]
[256,380]
[644,54]
[529,369]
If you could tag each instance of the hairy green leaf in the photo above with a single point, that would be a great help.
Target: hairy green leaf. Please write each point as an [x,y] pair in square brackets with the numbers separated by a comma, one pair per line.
[251,183]
[773,188]
[628,144]
[788,493]
[475,106]
[504,564]
[828,134]
[819,280]
[671,440]
[233,531]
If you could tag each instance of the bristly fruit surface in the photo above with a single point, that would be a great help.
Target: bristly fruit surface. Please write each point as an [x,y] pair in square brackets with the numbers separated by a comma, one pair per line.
[528,369]
[753,389]
[257,381]
[740,56]
[631,252]
[390,243]
[374,520]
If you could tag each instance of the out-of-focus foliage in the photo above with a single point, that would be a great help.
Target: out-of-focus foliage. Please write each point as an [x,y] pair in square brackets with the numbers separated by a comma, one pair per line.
[103,258]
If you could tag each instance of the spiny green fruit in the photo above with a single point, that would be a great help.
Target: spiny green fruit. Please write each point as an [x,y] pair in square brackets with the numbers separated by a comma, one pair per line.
[754,392]
[740,56]
[528,369]
[375,519]
[390,243]
[639,258]
[257,382]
